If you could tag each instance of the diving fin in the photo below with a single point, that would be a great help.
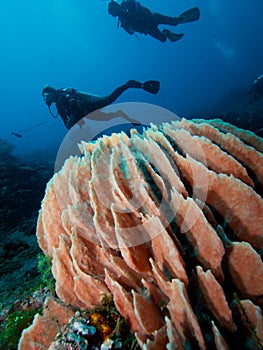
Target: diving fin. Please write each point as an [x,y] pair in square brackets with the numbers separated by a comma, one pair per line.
[189,15]
[172,36]
[152,86]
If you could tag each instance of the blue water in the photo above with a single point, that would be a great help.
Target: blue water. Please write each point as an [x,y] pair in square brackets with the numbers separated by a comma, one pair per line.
[76,43]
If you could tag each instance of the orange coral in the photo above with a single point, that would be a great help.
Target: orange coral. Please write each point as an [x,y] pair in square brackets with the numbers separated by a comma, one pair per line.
[142,218]
[45,328]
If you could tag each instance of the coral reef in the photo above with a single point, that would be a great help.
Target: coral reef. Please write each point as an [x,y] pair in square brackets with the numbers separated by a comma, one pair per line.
[101,328]
[19,315]
[235,108]
[22,186]
[170,222]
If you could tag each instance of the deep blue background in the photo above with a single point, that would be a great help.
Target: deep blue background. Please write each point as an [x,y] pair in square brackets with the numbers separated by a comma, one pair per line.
[76,43]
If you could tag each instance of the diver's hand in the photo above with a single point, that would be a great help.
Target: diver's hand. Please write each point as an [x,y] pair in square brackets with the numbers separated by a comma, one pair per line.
[134,84]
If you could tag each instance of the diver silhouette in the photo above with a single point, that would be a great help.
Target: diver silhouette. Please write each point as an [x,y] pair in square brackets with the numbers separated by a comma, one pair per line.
[133,17]
[72,105]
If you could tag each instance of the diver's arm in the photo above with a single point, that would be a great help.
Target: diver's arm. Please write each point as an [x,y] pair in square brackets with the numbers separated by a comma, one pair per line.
[64,117]
[63,105]
[127,29]
[125,22]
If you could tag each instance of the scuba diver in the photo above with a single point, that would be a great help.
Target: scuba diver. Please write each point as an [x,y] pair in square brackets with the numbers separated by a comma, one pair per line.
[256,90]
[133,17]
[73,105]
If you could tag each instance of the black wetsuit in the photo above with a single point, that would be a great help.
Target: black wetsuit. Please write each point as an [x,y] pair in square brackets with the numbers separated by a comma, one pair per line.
[137,18]
[72,105]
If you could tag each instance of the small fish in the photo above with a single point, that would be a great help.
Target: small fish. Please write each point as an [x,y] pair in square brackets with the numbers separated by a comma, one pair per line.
[35,126]
[16,134]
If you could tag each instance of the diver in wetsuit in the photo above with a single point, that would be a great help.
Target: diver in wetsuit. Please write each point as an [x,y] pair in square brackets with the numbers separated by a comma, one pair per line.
[72,105]
[133,17]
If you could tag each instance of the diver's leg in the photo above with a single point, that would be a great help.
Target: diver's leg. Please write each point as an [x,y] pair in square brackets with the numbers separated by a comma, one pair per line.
[117,93]
[162,19]
[190,15]
[157,34]
[172,36]
[109,99]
